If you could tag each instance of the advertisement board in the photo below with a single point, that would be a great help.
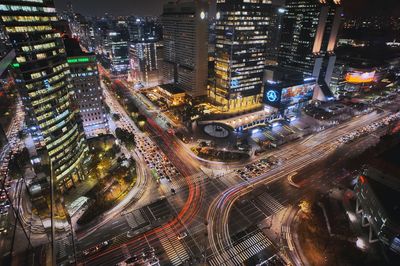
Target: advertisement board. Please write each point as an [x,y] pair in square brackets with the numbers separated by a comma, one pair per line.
[295,94]
[272,96]
[357,77]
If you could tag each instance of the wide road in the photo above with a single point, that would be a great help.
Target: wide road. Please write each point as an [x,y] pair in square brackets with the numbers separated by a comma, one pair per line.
[297,156]
[187,167]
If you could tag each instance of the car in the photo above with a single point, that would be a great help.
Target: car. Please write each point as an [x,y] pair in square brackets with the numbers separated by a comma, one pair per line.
[97,248]
[182,236]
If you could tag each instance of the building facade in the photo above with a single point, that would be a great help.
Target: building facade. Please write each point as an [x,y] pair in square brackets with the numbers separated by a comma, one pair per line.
[309,36]
[43,76]
[240,53]
[118,39]
[144,62]
[185,36]
[88,93]
[377,202]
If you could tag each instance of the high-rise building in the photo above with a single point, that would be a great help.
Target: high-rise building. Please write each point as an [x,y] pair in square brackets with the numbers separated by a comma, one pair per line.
[88,93]
[144,62]
[240,53]
[119,50]
[185,27]
[43,76]
[308,37]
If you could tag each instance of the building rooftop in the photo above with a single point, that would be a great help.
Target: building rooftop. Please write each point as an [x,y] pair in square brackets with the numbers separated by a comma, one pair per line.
[171,88]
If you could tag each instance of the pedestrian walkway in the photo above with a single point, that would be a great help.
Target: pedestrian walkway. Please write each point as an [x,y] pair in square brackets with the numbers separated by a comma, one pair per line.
[242,251]
[173,247]
[269,204]
[135,218]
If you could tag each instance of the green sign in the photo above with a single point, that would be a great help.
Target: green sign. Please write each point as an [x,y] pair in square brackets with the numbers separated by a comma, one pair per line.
[15,65]
[78,60]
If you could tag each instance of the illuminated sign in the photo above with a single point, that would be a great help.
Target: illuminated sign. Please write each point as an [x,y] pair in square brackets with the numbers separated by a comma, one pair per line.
[296,94]
[357,77]
[16,65]
[234,83]
[46,83]
[202,15]
[78,60]
[272,95]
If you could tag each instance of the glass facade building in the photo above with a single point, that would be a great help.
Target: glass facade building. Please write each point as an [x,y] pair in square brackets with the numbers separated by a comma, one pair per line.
[240,53]
[308,37]
[119,51]
[43,77]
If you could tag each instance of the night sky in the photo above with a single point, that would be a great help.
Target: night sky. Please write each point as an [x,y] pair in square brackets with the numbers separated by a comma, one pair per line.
[154,7]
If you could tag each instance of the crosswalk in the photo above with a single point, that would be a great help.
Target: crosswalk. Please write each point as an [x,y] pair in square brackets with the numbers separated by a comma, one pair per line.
[243,251]
[173,247]
[125,251]
[181,183]
[135,218]
[62,248]
[270,203]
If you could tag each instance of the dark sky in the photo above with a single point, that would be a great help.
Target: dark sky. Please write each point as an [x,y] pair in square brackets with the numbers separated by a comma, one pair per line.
[154,7]
[114,7]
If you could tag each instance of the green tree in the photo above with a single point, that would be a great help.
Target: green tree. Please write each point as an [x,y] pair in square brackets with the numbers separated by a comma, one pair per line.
[116,117]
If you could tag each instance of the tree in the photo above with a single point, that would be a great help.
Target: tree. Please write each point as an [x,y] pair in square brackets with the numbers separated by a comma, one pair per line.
[116,117]
[125,137]
[107,108]
[132,108]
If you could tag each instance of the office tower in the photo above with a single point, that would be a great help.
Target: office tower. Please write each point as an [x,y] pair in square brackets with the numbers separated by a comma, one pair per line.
[185,27]
[240,52]
[43,77]
[118,39]
[144,62]
[308,39]
[88,93]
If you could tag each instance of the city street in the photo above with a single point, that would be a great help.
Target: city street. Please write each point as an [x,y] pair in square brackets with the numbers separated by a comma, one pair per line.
[221,195]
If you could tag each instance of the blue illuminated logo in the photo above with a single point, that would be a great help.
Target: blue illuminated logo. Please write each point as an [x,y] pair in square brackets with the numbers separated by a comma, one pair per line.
[234,83]
[272,96]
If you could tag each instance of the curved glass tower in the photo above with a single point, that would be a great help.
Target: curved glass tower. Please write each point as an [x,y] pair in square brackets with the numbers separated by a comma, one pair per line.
[42,73]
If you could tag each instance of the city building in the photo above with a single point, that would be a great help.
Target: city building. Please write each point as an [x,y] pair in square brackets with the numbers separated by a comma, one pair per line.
[118,39]
[289,92]
[87,90]
[185,35]
[144,63]
[173,95]
[308,37]
[240,54]
[377,202]
[362,69]
[43,77]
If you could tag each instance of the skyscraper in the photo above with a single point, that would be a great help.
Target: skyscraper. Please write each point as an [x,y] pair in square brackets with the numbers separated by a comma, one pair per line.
[308,38]
[240,53]
[88,93]
[119,50]
[144,62]
[43,77]
[185,28]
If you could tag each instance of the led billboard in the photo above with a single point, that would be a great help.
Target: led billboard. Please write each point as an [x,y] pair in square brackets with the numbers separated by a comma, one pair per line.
[357,77]
[295,94]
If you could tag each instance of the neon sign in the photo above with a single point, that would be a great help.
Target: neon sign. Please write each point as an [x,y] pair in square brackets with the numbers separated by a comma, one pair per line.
[360,77]
[272,96]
